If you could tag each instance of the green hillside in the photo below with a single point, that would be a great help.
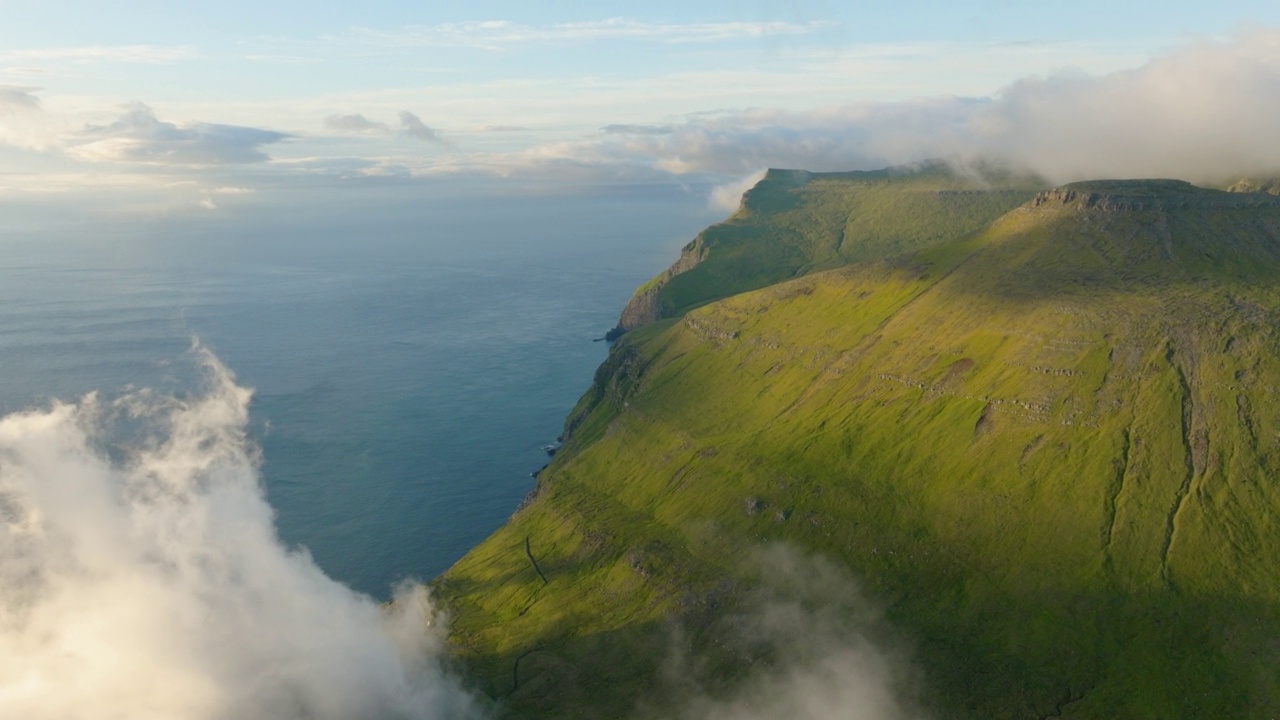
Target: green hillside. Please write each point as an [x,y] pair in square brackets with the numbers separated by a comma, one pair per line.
[793,223]
[1046,449]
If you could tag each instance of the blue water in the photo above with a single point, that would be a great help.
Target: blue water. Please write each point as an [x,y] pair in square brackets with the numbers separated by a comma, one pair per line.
[410,358]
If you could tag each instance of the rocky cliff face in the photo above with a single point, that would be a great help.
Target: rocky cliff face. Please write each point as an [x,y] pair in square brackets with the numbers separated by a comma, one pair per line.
[645,307]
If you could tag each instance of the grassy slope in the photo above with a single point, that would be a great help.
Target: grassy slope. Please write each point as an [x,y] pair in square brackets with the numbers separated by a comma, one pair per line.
[1047,448]
[794,223]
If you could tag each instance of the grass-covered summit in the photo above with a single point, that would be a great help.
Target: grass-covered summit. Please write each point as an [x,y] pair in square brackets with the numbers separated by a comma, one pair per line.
[1047,447]
[794,223]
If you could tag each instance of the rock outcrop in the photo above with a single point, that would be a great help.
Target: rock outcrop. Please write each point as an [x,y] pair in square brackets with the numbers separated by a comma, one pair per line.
[645,306]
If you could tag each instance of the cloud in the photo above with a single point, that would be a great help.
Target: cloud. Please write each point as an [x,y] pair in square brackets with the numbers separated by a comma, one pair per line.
[412,126]
[630,129]
[811,646]
[355,124]
[23,123]
[15,98]
[131,54]
[141,576]
[138,136]
[1201,112]
[501,34]
[728,196]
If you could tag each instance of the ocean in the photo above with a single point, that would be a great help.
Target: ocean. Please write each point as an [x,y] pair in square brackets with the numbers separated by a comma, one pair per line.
[410,356]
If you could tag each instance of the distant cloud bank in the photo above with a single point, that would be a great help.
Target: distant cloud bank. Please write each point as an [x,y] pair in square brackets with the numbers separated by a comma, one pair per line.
[14,98]
[354,124]
[138,136]
[1202,112]
[412,126]
[497,35]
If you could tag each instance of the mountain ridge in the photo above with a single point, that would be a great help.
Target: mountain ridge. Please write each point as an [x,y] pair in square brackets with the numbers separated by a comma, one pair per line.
[1046,446]
[779,231]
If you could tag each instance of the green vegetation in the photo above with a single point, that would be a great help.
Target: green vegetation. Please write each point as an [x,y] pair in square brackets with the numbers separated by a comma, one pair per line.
[794,223]
[1046,448]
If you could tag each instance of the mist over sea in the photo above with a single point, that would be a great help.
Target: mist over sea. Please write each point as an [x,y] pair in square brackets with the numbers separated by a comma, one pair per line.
[410,353]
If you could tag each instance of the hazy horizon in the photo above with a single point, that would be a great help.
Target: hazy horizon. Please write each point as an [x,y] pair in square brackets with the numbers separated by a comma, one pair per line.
[241,106]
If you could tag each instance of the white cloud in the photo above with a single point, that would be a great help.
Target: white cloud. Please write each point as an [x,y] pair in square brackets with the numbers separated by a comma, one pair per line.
[148,582]
[500,34]
[23,124]
[812,647]
[131,54]
[728,196]
[412,126]
[18,99]
[355,123]
[138,136]
[1203,112]
[1197,112]
[637,129]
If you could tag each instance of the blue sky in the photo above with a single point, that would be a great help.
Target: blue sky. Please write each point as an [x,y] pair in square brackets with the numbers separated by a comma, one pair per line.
[139,98]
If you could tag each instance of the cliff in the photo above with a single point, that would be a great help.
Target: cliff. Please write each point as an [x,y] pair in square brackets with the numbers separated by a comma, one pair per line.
[645,306]
[1045,448]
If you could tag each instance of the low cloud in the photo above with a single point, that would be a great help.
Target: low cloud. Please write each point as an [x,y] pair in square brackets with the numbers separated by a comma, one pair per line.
[816,649]
[1201,112]
[728,196]
[412,126]
[355,124]
[138,136]
[15,98]
[23,123]
[141,577]
[503,34]
[625,129]
[130,54]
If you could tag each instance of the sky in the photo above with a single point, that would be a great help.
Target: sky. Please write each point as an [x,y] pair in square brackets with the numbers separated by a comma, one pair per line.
[152,107]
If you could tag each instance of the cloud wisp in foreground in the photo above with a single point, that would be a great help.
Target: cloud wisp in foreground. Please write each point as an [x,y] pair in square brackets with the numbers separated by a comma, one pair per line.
[145,580]
[816,648]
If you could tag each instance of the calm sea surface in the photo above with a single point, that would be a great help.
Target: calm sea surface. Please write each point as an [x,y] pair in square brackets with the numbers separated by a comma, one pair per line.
[409,361]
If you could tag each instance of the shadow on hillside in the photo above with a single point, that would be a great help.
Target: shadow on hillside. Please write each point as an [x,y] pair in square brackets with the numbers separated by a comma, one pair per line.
[1083,656]
[1100,252]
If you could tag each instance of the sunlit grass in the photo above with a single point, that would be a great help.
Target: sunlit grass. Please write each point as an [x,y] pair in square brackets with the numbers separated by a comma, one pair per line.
[1047,448]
